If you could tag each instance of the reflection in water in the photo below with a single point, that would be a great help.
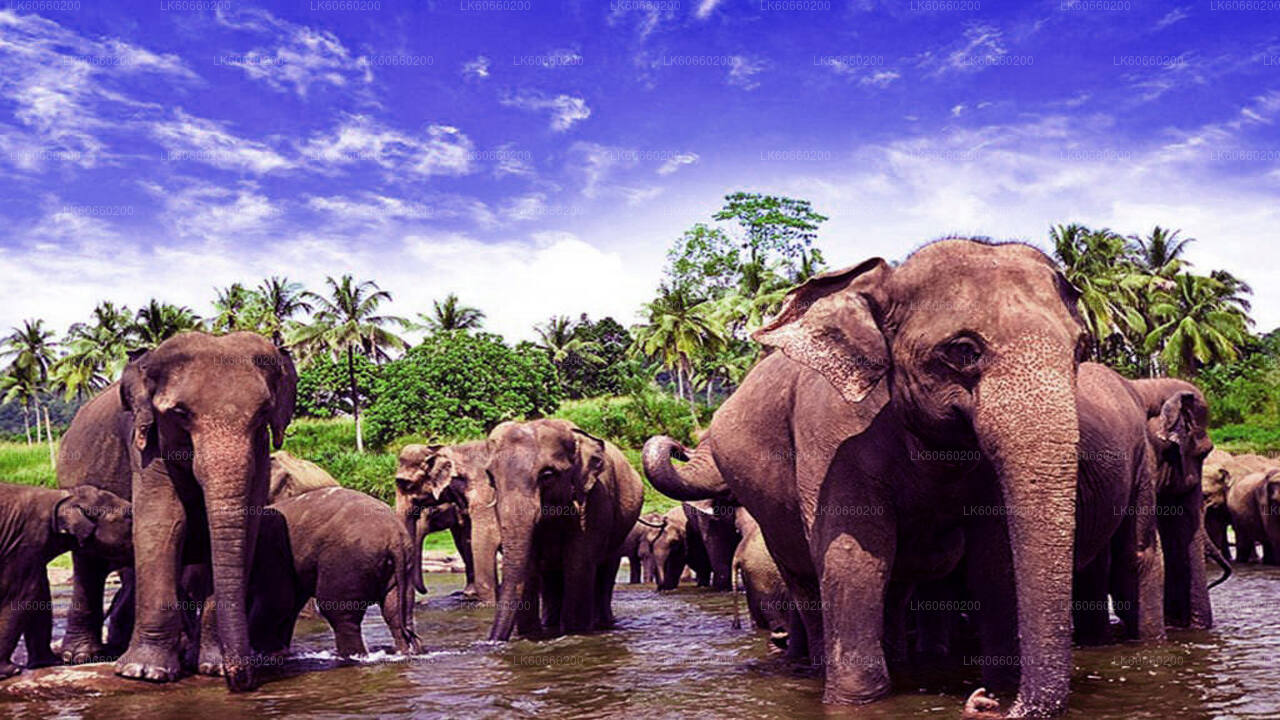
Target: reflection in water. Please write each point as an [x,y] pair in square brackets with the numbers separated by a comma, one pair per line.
[676,654]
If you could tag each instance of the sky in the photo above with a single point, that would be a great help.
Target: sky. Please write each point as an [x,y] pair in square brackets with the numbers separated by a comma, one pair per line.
[539,157]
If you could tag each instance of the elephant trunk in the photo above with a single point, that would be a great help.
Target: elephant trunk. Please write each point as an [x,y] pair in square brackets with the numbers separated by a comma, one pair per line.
[697,480]
[409,514]
[518,517]
[227,468]
[1037,471]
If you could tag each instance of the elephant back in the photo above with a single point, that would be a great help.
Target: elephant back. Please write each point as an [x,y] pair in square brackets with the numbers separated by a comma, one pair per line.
[292,476]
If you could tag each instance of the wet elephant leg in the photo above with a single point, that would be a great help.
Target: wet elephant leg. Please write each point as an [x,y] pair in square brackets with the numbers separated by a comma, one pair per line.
[553,600]
[578,585]
[1089,611]
[485,540]
[120,614]
[895,625]
[82,642]
[1244,547]
[39,626]
[605,578]
[462,540]
[989,575]
[210,661]
[528,615]
[393,614]
[1137,581]
[10,631]
[345,618]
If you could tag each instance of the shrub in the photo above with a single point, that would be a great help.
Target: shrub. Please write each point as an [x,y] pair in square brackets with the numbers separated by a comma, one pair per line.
[629,421]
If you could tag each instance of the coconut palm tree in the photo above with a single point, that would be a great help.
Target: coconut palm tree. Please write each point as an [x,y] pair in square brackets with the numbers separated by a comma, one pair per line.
[31,353]
[156,322]
[346,324]
[1094,262]
[234,308]
[96,350]
[559,337]
[679,331]
[450,314]
[1199,322]
[1160,253]
[280,301]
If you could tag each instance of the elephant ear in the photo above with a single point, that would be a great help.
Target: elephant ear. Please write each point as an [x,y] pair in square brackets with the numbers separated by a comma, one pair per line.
[135,395]
[73,515]
[828,324]
[1176,424]
[285,395]
[591,462]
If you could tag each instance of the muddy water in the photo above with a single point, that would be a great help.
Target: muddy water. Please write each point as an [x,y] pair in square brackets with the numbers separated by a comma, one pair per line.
[677,655]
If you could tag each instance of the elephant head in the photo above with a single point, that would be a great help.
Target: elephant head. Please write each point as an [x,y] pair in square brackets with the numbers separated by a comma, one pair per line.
[100,521]
[208,409]
[1271,494]
[979,345]
[542,472]
[1179,434]
[429,476]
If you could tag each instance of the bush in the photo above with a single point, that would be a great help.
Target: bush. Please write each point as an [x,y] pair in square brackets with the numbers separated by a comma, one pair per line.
[456,385]
[629,421]
[324,386]
[1241,438]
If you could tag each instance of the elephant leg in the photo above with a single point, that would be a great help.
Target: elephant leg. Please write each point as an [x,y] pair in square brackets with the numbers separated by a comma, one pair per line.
[721,542]
[462,540]
[399,622]
[989,576]
[604,580]
[484,553]
[1137,579]
[120,614]
[896,602]
[1186,587]
[210,661]
[1215,526]
[854,578]
[10,632]
[345,618]
[159,531]
[1244,546]
[804,642]
[38,626]
[82,642]
[1269,552]
[1089,613]
[633,565]
[528,615]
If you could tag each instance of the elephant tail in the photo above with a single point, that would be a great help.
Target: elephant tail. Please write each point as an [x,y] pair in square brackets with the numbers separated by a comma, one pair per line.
[698,479]
[408,575]
[733,589]
[1212,552]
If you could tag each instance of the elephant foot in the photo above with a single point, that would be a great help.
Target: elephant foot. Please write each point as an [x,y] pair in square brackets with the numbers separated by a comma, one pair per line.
[153,663]
[469,592]
[43,660]
[210,662]
[982,706]
[8,670]
[778,638]
[81,650]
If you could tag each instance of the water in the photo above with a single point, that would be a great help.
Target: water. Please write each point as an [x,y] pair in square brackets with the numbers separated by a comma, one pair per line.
[676,654]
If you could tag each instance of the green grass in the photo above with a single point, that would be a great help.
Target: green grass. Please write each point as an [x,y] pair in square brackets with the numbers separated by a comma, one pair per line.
[24,464]
[1247,438]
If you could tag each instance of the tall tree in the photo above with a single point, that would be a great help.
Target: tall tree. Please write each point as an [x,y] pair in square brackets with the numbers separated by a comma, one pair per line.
[451,314]
[157,322]
[346,324]
[1160,252]
[1094,261]
[679,331]
[774,227]
[96,350]
[234,309]
[1199,323]
[31,352]
[281,301]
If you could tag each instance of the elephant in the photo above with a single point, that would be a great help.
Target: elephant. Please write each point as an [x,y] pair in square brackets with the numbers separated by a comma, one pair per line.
[665,549]
[1254,504]
[566,501]
[36,525]
[767,600]
[345,549]
[640,568]
[906,417]
[449,483]
[1177,428]
[1221,470]
[185,434]
[292,476]
[711,538]
[1116,547]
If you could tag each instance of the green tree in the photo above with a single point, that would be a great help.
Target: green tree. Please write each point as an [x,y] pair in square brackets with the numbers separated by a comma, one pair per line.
[604,369]
[324,389]
[235,308]
[280,301]
[1095,263]
[678,332]
[1199,323]
[450,314]
[1160,253]
[347,324]
[31,353]
[157,322]
[96,350]
[777,228]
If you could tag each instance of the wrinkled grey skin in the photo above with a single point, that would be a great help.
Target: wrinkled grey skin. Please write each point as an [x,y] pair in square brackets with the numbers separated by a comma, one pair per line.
[767,600]
[186,435]
[441,487]
[665,549]
[640,567]
[1178,430]
[37,525]
[345,549]
[566,501]
[1254,504]
[711,538]
[933,372]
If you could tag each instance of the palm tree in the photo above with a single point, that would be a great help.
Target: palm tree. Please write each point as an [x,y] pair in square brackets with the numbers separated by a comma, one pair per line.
[96,350]
[347,323]
[234,306]
[1200,322]
[1094,262]
[449,314]
[30,350]
[679,330]
[1160,253]
[560,339]
[157,322]
[18,387]
[280,300]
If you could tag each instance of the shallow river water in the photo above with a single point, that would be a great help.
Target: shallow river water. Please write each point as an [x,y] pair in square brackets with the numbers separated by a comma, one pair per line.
[677,655]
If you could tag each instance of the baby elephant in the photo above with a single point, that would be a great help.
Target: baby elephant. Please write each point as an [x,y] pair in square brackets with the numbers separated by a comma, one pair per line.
[345,549]
[37,525]
[665,549]
[1254,503]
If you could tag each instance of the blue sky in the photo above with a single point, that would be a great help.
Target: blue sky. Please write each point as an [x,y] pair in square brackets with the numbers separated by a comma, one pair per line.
[539,157]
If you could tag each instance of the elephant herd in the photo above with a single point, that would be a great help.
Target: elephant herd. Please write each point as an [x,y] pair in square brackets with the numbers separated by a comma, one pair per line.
[1242,492]
[921,464]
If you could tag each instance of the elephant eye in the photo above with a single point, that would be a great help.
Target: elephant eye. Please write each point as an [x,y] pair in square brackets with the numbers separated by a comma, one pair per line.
[546,473]
[962,353]
[180,411]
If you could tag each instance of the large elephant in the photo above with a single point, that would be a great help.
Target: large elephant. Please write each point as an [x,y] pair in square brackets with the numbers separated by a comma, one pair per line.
[36,525]
[186,435]
[345,549]
[640,566]
[915,414]
[1254,504]
[711,538]
[665,549]
[1178,430]
[292,476]
[1221,470]
[448,483]
[566,501]
[768,603]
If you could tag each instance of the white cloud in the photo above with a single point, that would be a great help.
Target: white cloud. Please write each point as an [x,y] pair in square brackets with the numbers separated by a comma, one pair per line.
[674,162]
[436,150]
[705,8]
[299,57]
[742,71]
[213,213]
[982,46]
[1172,17]
[192,139]
[477,69]
[565,110]
[867,71]
[368,208]
[880,78]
